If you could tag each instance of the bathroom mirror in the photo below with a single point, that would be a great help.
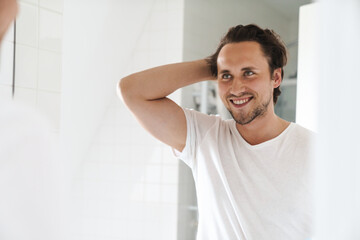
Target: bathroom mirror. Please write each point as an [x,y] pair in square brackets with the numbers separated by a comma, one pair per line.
[69,56]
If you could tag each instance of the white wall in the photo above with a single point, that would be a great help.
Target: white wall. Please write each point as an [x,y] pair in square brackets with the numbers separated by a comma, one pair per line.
[203,31]
[38,55]
[32,184]
[37,59]
[307,102]
[338,192]
[332,108]
[127,184]
[98,41]
[6,65]
[98,44]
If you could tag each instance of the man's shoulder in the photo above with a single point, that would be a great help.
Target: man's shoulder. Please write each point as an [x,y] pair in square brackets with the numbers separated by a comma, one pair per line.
[303,129]
[199,116]
[206,122]
[304,133]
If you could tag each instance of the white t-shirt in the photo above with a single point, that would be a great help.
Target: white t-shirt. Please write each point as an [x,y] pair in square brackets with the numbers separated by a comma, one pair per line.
[249,191]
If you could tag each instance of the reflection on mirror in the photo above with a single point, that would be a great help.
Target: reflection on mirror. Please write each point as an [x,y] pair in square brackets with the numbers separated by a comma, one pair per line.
[225,155]
[238,165]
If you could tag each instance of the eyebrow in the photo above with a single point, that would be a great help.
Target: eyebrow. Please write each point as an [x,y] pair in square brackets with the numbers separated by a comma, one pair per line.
[224,71]
[243,69]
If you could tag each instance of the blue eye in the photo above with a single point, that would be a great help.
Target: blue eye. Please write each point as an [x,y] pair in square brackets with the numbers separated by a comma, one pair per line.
[226,76]
[249,73]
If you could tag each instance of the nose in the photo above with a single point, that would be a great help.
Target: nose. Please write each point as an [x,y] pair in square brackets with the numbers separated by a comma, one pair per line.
[238,86]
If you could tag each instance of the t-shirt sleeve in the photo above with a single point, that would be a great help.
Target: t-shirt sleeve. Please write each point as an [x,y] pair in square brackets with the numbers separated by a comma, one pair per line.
[197,126]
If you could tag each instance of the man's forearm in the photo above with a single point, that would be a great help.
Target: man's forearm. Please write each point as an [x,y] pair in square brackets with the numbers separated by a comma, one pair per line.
[159,82]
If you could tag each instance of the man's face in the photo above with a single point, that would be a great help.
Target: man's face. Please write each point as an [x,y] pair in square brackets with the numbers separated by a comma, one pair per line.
[8,10]
[244,81]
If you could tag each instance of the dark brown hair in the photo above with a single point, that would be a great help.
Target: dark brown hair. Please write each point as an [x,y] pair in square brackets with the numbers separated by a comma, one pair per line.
[272,46]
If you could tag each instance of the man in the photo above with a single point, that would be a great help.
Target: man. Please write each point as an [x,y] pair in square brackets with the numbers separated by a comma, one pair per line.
[251,172]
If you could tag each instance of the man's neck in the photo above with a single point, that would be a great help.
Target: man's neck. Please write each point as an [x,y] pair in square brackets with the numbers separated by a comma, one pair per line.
[263,128]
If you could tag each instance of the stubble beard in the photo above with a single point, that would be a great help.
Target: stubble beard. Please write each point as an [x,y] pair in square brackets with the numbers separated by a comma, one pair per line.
[246,118]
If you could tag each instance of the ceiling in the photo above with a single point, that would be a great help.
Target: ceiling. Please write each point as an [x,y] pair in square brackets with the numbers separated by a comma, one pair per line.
[288,8]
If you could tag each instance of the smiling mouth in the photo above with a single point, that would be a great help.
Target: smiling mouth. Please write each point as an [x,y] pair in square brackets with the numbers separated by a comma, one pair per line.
[240,102]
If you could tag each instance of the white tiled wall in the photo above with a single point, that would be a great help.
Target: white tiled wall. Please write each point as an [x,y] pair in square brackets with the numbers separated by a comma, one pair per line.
[6,64]
[55,5]
[50,30]
[38,57]
[49,78]
[128,184]
[26,66]
[27,24]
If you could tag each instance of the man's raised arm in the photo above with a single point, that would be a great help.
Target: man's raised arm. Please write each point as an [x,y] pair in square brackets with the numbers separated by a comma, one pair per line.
[145,95]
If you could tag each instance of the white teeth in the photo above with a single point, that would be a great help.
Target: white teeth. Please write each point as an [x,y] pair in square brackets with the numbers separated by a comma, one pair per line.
[241,101]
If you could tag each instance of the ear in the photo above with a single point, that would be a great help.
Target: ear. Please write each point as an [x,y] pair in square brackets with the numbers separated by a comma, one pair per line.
[276,77]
